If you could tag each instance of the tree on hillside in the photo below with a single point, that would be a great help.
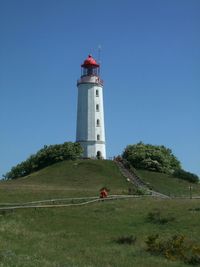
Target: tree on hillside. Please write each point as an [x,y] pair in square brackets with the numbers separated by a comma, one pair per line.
[151,157]
[46,156]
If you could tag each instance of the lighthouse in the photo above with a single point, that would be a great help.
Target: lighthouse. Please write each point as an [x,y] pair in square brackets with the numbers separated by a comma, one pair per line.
[90,130]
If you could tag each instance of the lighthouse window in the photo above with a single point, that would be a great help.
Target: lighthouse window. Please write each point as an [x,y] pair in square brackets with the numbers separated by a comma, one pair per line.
[97,107]
[84,72]
[90,72]
[98,137]
[98,122]
[97,92]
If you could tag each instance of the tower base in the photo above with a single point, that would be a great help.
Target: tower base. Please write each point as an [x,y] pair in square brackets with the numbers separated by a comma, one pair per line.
[93,149]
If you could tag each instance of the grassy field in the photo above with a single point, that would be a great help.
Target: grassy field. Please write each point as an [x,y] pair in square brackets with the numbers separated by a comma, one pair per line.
[85,236]
[169,185]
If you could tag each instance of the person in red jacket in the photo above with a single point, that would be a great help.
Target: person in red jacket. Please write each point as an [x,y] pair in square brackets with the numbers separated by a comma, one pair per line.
[103,193]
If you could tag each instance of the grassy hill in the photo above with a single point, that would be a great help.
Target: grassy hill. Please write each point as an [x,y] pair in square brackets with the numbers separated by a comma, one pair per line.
[65,179]
[85,236]
[169,185]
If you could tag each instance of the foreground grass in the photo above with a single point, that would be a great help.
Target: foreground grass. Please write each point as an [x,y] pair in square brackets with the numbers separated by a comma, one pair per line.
[84,236]
[168,184]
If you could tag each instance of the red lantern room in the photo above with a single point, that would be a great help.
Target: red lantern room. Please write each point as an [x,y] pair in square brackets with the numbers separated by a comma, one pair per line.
[90,67]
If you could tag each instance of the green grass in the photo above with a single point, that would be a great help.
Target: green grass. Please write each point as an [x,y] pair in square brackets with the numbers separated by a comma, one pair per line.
[169,185]
[85,236]
[65,179]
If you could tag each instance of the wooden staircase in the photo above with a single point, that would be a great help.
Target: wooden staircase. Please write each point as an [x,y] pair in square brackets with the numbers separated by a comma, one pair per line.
[136,180]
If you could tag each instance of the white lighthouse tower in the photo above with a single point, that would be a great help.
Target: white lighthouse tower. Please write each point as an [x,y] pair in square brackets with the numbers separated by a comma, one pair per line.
[90,131]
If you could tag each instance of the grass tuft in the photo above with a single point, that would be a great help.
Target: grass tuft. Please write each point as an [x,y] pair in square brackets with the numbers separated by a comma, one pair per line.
[126,240]
[157,218]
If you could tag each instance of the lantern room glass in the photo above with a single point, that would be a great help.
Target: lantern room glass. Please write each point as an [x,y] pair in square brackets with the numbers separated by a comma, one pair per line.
[90,71]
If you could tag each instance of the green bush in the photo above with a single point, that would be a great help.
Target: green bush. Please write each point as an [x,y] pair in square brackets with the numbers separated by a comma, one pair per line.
[176,247]
[151,157]
[194,209]
[129,240]
[46,156]
[137,191]
[191,177]
[157,218]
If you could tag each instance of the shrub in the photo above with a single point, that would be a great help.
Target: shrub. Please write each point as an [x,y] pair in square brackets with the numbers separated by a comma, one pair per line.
[141,191]
[129,240]
[136,191]
[151,157]
[191,177]
[194,209]
[46,156]
[157,218]
[176,247]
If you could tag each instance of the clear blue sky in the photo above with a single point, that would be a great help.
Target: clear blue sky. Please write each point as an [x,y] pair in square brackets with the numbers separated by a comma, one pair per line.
[150,65]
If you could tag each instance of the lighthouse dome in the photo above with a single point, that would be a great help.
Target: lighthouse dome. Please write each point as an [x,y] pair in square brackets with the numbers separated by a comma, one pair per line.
[90,62]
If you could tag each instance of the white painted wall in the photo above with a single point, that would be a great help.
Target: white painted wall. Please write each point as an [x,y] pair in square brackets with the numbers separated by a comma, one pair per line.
[87,116]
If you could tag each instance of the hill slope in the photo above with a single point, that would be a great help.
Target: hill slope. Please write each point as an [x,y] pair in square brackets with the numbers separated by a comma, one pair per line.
[85,178]
[65,179]
[169,185]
